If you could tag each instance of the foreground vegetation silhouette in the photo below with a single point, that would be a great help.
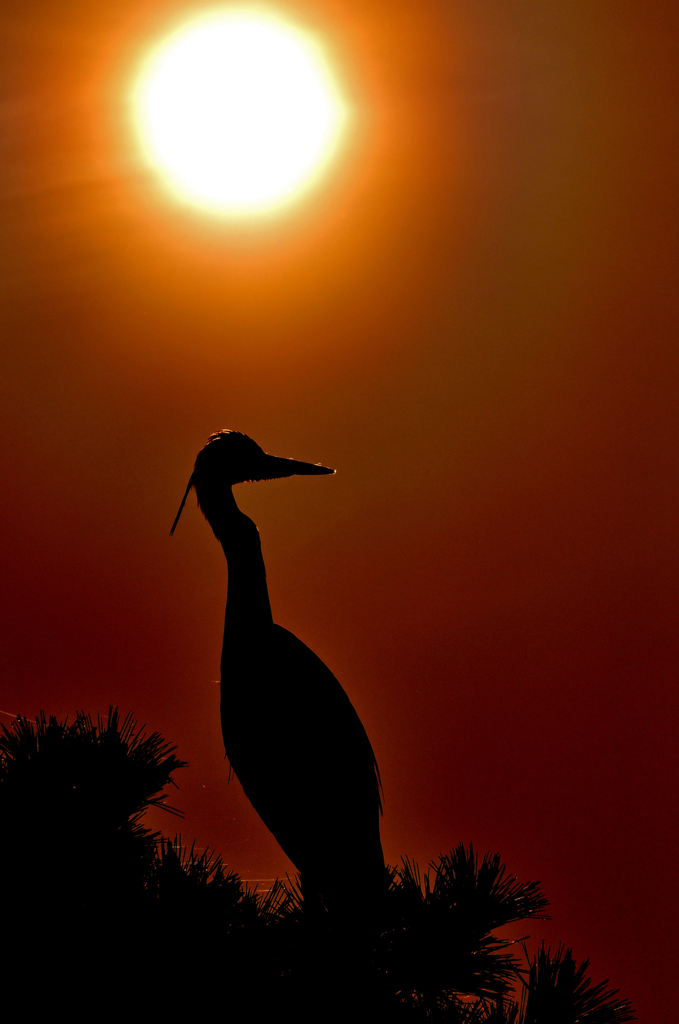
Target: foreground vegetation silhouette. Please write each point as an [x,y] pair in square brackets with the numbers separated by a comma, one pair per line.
[104,917]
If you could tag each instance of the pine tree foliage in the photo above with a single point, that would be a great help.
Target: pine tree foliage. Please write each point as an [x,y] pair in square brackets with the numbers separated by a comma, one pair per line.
[558,990]
[439,940]
[71,798]
[198,890]
[97,903]
[112,762]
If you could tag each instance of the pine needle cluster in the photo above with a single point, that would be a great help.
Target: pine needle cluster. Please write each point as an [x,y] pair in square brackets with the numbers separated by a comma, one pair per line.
[100,912]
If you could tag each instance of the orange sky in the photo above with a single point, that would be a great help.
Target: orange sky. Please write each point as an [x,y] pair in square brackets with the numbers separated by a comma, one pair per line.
[473,319]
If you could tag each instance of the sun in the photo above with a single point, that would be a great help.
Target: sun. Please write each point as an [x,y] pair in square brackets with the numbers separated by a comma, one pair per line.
[239,111]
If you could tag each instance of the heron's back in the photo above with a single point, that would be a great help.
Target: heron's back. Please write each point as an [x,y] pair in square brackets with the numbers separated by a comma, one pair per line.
[301,753]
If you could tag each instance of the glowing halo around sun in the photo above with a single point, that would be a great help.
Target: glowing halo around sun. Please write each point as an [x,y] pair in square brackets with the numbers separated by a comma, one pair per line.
[239,111]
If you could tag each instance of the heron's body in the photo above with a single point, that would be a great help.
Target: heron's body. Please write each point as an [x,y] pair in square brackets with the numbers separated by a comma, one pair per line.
[290,732]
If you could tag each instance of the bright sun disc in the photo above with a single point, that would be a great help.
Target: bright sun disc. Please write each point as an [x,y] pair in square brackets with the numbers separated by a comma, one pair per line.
[238,110]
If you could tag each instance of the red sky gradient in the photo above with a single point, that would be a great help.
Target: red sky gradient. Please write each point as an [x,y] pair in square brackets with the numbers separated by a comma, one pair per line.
[474,320]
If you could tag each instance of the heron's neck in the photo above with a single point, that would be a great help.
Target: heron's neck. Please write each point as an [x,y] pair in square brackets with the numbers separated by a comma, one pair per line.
[247,604]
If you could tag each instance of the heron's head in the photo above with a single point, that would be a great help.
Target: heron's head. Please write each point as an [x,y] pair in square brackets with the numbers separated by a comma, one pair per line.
[229,458]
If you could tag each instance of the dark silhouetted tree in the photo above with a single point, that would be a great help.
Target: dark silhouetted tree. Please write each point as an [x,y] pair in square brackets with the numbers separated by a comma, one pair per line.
[103,918]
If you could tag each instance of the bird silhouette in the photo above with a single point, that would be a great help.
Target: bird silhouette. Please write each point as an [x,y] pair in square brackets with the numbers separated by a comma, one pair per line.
[291,734]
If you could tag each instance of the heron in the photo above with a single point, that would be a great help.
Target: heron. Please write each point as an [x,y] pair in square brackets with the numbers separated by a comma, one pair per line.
[291,735]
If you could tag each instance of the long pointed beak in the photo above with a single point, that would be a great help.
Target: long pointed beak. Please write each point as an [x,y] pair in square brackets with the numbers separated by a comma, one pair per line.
[272,468]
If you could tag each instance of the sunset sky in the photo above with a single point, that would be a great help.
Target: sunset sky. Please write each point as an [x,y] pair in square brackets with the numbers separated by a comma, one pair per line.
[472,316]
